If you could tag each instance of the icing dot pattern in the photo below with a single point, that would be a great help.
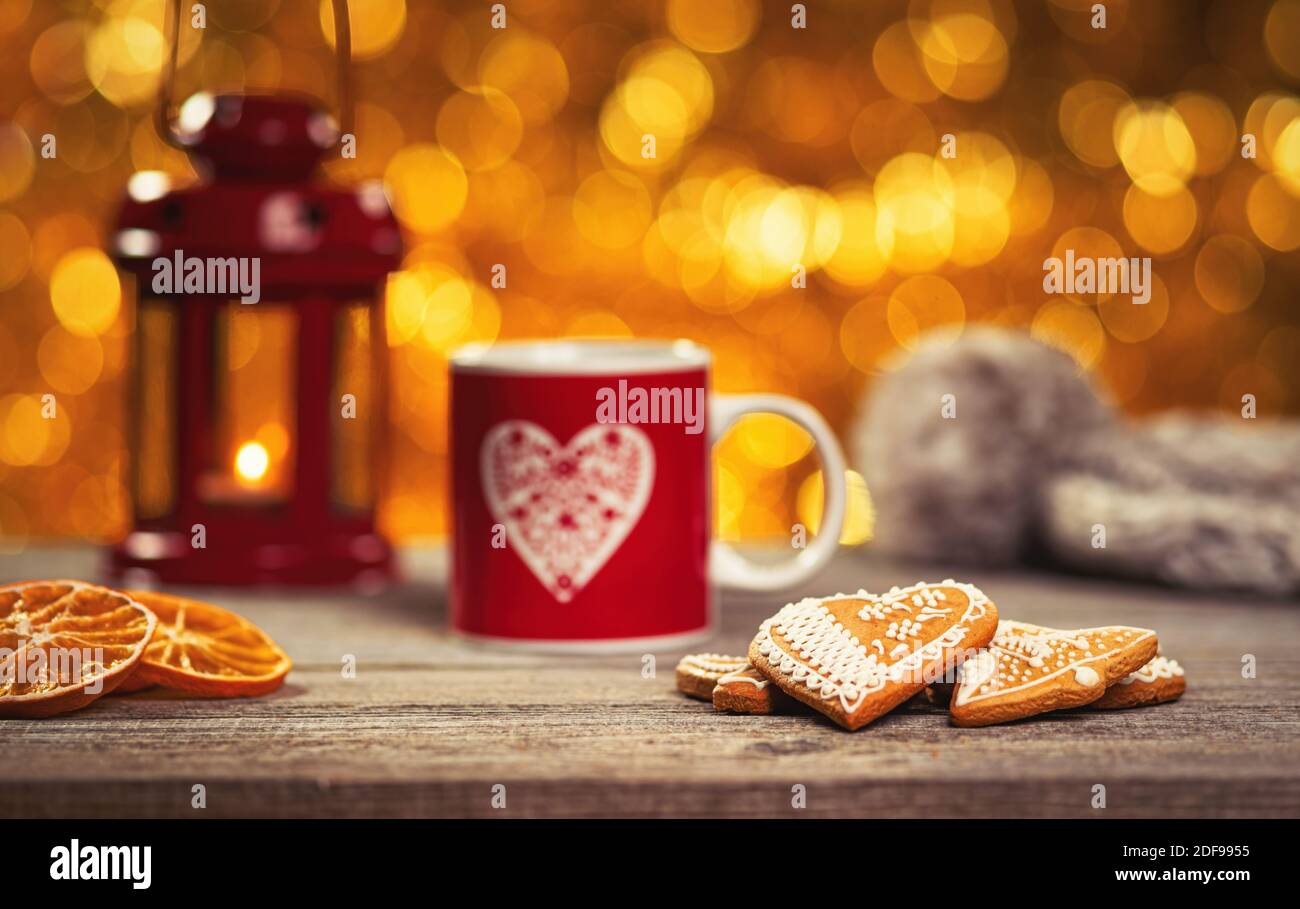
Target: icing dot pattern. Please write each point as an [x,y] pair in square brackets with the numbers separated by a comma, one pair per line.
[1022,655]
[1159,668]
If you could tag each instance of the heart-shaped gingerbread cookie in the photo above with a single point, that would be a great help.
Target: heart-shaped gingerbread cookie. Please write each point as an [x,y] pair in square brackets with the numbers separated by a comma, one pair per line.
[566,508]
[856,657]
[1030,669]
[1158,681]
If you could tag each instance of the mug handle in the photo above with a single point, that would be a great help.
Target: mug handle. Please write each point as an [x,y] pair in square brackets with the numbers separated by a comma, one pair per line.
[727,566]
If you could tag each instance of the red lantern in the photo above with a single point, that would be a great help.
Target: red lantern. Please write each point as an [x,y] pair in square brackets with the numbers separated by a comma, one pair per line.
[256,424]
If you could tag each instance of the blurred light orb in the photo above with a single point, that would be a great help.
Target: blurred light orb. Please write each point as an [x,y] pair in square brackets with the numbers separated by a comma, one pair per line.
[409,293]
[1274,213]
[1087,243]
[1213,130]
[85,292]
[1072,328]
[124,53]
[981,225]
[15,250]
[244,338]
[529,69]
[766,233]
[17,161]
[384,137]
[667,96]
[148,185]
[427,185]
[70,363]
[1133,322]
[91,136]
[982,161]
[13,13]
[821,212]
[925,305]
[899,67]
[1282,36]
[914,200]
[1155,147]
[449,314]
[1159,224]
[252,462]
[964,55]
[983,176]
[612,209]
[1286,157]
[482,127]
[1229,273]
[376,25]
[274,438]
[772,441]
[24,433]
[863,252]
[56,235]
[1086,117]
[1266,119]
[57,62]
[1031,203]
[865,336]
[714,27]
[859,516]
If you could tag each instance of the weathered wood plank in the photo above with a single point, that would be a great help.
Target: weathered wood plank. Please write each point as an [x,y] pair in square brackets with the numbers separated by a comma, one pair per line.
[429,725]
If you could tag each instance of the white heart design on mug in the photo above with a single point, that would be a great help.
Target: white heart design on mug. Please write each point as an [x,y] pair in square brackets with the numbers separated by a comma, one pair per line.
[566,508]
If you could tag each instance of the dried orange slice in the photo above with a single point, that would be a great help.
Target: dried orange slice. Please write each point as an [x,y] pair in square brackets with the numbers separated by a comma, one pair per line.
[64,643]
[204,649]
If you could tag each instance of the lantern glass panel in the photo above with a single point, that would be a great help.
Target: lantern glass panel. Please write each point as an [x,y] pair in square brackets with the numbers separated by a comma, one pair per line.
[254,405]
[352,425]
[154,463]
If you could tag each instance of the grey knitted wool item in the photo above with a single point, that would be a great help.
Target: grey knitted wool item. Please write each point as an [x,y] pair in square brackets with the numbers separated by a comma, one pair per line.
[967,488]
[1033,458]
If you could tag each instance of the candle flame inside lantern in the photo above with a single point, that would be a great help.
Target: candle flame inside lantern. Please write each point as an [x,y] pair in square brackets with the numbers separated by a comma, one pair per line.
[252,461]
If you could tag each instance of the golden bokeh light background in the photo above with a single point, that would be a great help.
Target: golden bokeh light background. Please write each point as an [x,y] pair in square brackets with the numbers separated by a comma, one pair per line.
[675,169]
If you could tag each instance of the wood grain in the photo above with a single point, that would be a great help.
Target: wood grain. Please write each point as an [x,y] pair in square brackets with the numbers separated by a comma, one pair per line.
[430,725]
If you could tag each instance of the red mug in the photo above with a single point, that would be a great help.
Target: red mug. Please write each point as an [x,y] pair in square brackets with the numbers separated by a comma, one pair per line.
[581,502]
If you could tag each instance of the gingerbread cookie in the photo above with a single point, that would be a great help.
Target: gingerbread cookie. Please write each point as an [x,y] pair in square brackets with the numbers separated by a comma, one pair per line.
[1029,669]
[856,657]
[1158,681]
[748,691]
[698,673]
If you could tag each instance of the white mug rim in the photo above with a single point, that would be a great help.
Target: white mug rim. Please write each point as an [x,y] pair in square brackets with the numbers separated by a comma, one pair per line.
[581,356]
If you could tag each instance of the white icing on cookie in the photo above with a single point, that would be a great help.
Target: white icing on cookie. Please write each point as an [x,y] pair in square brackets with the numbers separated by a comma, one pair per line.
[1159,668]
[748,675]
[1087,676]
[1020,649]
[832,662]
[711,665]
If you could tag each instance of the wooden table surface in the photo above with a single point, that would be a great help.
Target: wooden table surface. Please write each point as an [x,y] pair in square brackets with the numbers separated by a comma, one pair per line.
[430,725]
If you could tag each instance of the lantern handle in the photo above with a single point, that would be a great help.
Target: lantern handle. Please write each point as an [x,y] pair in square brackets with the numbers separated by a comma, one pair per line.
[343,53]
